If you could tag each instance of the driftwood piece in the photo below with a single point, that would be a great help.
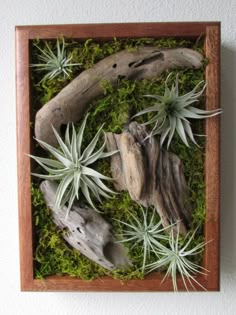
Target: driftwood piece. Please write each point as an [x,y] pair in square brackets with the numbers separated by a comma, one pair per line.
[152,176]
[72,102]
[87,232]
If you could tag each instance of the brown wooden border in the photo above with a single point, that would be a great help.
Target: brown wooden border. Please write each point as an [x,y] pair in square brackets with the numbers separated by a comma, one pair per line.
[208,30]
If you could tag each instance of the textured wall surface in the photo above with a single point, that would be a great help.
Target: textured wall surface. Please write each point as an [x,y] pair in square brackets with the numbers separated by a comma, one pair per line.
[19,12]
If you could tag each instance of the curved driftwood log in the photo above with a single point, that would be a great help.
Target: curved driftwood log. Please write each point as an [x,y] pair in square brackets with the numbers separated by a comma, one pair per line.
[153,177]
[87,232]
[71,103]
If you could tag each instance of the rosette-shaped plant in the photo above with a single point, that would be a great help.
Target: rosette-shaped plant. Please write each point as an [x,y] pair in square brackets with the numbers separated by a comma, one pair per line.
[169,250]
[71,167]
[178,258]
[54,64]
[172,111]
[145,231]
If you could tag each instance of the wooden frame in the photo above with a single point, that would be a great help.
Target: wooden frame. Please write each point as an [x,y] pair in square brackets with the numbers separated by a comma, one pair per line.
[210,31]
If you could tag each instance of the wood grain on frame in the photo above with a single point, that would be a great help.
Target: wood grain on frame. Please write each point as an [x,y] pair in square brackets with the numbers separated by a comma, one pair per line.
[212,160]
[23,161]
[211,32]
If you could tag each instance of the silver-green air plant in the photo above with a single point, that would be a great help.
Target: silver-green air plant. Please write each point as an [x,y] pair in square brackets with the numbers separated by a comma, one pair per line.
[145,231]
[71,167]
[169,250]
[54,64]
[173,111]
[176,259]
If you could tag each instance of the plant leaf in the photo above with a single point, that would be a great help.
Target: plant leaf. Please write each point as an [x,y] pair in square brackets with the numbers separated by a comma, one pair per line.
[154,108]
[56,153]
[62,187]
[89,171]
[89,150]
[49,177]
[80,135]
[62,145]
[86,193]
[181,132]
[77,176]
[46,161]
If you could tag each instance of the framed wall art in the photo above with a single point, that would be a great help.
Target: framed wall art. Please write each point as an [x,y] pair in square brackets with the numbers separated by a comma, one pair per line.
[118,156]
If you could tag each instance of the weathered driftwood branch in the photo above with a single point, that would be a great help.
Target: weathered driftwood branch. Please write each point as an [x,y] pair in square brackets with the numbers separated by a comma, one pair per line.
[153,177]
[71,103]
[87,232]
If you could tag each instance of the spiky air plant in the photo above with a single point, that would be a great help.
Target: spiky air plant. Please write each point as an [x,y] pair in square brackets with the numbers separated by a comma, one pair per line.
[172,111]
[54,64]
[72,168]
[176,258]
[146,232]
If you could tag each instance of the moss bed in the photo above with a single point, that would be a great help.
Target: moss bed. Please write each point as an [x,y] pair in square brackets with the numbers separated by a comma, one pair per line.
[52,255]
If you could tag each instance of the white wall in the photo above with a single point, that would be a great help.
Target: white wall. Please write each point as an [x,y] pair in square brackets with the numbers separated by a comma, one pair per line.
[12,301]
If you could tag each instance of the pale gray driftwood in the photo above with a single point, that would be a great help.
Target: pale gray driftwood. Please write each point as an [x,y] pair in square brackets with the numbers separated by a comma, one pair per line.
[72,102]
[152,176]
[87,232]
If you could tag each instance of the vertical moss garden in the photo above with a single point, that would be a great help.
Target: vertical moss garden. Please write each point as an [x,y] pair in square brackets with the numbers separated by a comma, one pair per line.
[52,255]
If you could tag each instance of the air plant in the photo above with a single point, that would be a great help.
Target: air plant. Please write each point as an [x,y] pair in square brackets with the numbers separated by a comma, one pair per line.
[145,231]
[172,112]
[176,258]
[54,64]
[72,168]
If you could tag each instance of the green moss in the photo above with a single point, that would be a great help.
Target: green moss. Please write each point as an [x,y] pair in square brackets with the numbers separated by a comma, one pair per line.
[52,254]
[88,53]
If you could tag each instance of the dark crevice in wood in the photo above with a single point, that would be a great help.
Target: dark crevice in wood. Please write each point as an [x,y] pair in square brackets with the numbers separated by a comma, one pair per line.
[147,60]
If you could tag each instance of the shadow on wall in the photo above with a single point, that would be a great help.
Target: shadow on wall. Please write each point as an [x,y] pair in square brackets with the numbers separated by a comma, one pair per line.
[228,152]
